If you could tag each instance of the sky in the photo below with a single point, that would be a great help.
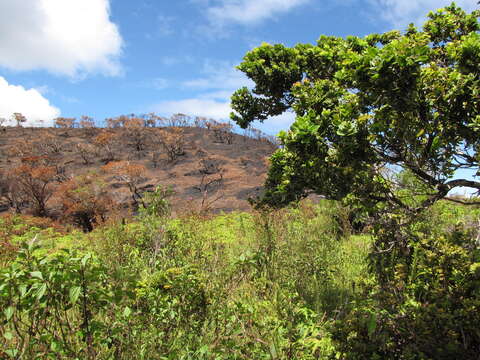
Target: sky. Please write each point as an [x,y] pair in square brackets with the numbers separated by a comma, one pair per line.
[104,58]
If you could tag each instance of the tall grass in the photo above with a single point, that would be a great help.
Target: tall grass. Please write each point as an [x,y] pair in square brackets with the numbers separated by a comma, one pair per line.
[230,286]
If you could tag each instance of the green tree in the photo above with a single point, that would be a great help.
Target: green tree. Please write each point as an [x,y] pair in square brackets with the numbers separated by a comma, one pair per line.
[385,122]
[367,108]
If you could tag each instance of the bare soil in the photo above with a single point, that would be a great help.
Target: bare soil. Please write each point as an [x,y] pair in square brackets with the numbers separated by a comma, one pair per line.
[209,176]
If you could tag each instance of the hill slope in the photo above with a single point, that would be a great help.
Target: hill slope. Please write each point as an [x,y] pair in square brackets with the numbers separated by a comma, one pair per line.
[208,169]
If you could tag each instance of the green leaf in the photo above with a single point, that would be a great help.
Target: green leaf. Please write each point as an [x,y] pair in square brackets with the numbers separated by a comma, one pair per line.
[372,324]
[9,312]
[8,335]
[41,291]
[11,352]
[85,259]
[36,274]
[436,143]
[74,293]
[273,351]
[55,346]
[127,312]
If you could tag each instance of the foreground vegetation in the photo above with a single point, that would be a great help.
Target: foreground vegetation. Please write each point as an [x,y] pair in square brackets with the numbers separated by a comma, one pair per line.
[390,270]
[289,284]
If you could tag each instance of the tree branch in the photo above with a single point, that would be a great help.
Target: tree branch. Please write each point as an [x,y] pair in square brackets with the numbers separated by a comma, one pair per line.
[462,182]
[462,201]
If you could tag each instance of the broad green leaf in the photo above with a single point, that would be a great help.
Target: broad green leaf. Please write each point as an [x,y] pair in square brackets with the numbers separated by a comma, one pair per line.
[55,346]
[74,293]
[85,259]
[41,291]
[12,352]
[273,351]
[23,290]
[37,275]
[9,312]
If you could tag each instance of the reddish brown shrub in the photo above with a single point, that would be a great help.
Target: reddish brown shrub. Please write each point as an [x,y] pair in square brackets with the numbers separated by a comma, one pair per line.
[34,183]
[173,142]
[85,201]
[105,142]
[87,152]
[65,123]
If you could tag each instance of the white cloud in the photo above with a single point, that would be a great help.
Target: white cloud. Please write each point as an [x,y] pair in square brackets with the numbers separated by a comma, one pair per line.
[219,76]
[400,13]
[67,37]
[31,103]
[196,107]
[247,12]
[220,80]
[275,124]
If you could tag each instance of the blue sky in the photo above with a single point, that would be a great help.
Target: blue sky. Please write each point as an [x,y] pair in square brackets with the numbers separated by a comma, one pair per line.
[104,58]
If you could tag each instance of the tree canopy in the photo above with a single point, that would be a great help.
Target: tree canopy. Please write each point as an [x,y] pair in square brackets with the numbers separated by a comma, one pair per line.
[368,108]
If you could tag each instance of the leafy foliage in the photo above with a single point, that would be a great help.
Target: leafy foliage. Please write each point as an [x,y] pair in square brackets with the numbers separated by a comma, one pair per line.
[383,123]
[427,307]
[367,106]
[229,287]
[49,305]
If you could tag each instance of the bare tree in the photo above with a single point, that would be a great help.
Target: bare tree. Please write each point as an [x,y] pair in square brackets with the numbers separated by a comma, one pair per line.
[35,184]
[87,152]
[85,201]
[19,118]
[105,142]
[88,124]
[130,174]
[65,123]
[173,142]
[136,133]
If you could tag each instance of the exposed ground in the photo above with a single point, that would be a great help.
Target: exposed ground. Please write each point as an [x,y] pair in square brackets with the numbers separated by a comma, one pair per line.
[210,175]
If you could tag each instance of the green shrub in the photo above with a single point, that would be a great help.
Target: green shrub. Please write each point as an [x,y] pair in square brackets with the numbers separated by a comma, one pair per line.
[58,305]
[425,306]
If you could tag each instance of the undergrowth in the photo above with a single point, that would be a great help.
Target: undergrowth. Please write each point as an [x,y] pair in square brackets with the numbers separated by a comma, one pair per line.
[289,284]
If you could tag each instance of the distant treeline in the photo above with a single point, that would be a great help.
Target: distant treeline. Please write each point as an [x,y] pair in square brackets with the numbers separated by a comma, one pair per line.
[152,120]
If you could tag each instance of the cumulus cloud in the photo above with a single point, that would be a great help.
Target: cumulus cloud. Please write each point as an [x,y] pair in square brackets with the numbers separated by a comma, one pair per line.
[400,13]
[220,80]
[201,106]
[67,37]
[219,75]
[275,124]
[30,102]
[211,107]
[247,12]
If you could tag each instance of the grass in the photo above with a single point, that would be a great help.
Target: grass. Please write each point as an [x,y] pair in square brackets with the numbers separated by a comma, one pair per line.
[230,286]
[288,284]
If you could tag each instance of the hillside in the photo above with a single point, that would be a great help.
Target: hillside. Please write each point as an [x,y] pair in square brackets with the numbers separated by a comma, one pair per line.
[209,168]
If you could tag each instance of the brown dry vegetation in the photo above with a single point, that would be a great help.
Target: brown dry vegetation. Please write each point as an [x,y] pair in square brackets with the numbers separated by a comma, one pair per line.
[208,167]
